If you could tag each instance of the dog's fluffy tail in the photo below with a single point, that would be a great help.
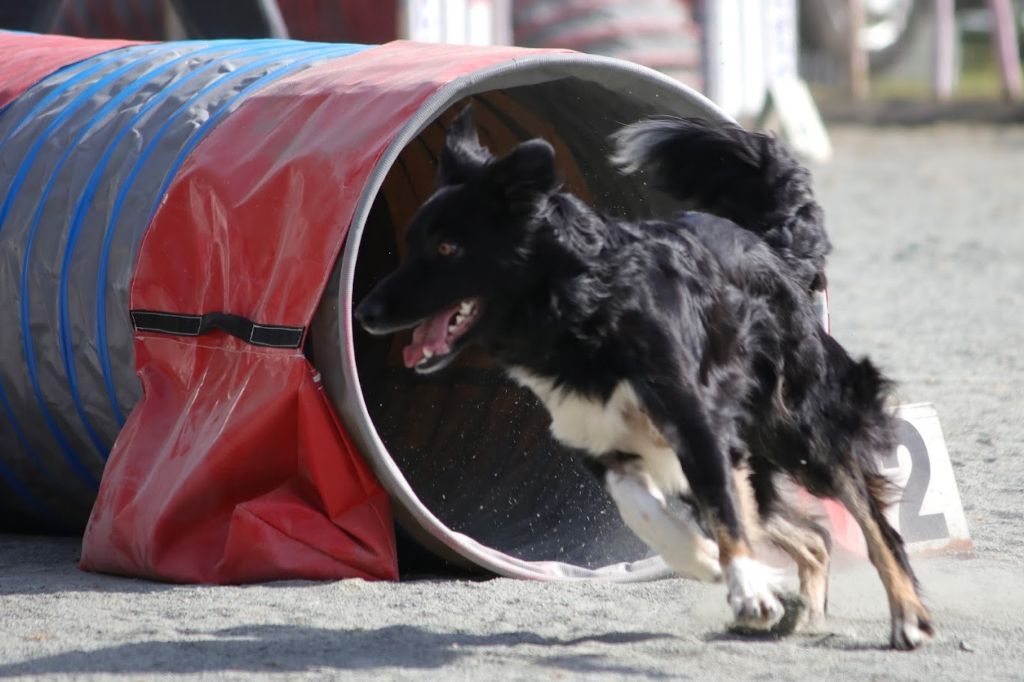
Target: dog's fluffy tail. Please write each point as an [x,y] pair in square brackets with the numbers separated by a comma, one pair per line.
[748,178]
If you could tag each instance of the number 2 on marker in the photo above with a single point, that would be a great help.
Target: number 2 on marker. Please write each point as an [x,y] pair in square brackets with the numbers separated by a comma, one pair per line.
[915,527]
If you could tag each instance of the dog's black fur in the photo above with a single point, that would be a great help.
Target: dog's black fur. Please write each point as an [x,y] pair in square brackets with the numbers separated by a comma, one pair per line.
[709,315]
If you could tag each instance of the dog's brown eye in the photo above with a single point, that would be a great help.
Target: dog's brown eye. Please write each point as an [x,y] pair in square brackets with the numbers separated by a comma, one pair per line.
[446,249]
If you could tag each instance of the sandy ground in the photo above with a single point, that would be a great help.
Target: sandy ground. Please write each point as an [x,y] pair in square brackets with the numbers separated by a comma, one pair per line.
[927,277]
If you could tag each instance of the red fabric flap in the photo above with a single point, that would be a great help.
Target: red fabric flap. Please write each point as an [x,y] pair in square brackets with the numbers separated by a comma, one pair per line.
[234,470]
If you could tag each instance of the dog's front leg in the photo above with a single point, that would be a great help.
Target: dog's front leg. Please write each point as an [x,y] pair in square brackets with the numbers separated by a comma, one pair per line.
[670,530]
[681,418]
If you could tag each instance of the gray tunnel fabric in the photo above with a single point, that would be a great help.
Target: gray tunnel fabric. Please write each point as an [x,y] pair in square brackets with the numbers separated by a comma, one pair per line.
[85,157]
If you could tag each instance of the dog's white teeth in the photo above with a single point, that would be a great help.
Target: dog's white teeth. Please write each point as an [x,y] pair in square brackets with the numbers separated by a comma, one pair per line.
[427,354]
[465,310]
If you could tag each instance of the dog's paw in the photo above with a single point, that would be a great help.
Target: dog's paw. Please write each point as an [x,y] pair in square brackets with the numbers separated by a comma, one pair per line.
[795,613]
[759,611]
[911,627]
[810,621]
[668,528]
[698,561]
[702,563]
[708,568]
[753,603]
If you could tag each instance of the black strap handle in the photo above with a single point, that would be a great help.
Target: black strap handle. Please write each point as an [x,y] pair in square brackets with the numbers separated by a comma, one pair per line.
[177,324]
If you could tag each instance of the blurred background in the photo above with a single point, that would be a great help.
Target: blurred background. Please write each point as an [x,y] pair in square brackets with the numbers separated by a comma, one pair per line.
[928,55]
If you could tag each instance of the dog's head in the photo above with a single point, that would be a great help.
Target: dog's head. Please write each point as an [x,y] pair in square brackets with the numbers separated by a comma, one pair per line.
[467,248]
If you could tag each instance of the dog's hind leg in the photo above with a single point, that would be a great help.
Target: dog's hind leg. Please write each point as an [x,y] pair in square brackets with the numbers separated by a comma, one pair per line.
[864,498]
[808,544]
[666,527]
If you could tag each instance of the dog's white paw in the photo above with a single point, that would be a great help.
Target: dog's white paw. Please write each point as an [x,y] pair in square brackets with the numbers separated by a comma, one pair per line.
[811,621]
[670,530]
[750,596]
[705,561]
[761,610]
[699,561]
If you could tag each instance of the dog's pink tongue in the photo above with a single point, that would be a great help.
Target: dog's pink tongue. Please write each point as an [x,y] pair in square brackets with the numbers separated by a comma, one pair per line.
[431,335]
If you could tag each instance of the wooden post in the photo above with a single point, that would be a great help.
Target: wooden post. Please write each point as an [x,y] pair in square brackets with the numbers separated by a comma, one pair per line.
[858,57]
[1004,38]
[945,37]
[276,28]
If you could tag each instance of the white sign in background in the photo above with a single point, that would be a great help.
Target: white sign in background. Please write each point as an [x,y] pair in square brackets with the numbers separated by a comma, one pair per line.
[751,55]
[928,512]
[460,22]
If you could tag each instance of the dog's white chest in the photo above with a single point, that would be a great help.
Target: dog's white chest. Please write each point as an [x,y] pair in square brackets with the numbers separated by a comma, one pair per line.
[597,427]
[580,421]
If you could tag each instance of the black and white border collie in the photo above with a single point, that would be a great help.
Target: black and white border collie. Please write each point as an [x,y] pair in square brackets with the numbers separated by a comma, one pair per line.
[682,357]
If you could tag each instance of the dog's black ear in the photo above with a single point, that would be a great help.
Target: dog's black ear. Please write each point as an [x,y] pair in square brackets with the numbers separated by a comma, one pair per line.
[525,174]
[463,154]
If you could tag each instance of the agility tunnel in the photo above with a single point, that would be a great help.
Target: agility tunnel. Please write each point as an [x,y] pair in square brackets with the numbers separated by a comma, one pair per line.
[184,228]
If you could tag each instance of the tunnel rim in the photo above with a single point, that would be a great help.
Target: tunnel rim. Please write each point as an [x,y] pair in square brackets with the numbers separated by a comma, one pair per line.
[352,408]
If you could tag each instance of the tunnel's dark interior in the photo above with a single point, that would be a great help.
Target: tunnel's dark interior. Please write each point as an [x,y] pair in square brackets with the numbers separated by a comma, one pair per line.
[475,447]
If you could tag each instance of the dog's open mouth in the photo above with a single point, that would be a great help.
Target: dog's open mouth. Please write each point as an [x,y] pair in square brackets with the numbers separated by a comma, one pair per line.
[433,339]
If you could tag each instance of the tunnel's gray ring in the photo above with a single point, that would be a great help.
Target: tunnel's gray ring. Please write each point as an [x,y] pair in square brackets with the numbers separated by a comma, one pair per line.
[347,393]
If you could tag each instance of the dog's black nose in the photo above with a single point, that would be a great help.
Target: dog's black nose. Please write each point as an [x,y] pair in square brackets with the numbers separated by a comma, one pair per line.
[369,312]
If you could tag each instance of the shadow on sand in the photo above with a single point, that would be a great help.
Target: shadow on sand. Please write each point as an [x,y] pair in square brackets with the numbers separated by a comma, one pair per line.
[296,648]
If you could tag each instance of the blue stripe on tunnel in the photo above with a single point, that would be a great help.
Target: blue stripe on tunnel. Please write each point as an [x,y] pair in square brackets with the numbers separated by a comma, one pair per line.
[285,70]
[108,107]
[227,49]
[80,71]
[85,81]
[76,75]
[12,193]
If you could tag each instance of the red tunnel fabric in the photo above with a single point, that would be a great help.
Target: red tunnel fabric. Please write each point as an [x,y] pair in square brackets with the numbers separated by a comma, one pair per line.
[27,58]
[233,466]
